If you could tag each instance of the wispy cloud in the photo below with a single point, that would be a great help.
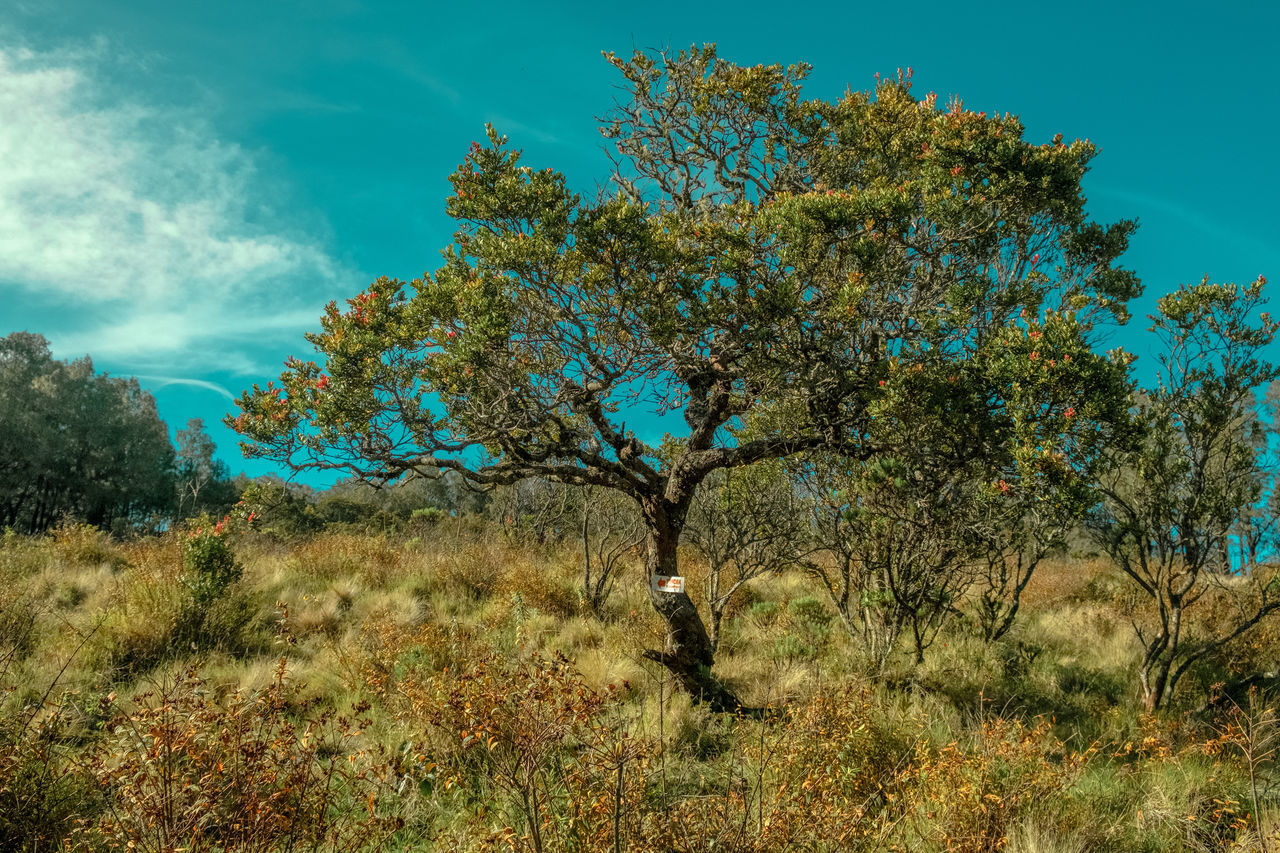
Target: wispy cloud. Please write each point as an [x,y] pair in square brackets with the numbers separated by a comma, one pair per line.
[1226,234]
[162,381]
[517,128]
[149,228]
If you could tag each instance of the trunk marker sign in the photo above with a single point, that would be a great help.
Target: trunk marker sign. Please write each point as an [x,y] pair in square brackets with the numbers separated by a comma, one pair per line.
[665,583]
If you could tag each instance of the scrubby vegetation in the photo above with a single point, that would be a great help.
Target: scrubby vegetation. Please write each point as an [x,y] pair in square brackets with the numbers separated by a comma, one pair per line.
[450,686]
[964,583]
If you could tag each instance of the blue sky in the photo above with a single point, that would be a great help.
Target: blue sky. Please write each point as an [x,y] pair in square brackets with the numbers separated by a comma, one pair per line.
[183,186]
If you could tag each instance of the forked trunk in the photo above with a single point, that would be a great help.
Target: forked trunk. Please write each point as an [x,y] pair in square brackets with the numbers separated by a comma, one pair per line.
[688,653]
[1153,672]
[1154,683]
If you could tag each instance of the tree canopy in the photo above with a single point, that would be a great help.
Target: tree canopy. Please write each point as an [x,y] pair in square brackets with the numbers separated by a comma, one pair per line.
[785,275]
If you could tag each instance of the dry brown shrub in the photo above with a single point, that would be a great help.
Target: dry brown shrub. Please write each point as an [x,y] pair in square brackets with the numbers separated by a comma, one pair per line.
[539,586]
[393,662]
[533,742]
[970,800]
[86,545]
[182,770]
[837,774]
[332,555]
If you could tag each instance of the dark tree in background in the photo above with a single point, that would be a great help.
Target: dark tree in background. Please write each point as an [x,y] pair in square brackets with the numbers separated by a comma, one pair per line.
[77,443]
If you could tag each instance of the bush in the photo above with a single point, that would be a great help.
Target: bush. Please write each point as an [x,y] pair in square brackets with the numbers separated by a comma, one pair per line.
[972,799]
[537,585]
[42,791]
[43,794]
[427,516]
[86,545]
[209,567]
[185,771]
[536,743]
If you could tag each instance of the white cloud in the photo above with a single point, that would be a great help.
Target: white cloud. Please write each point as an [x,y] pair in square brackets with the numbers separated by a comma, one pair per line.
[143,223]
[162,381]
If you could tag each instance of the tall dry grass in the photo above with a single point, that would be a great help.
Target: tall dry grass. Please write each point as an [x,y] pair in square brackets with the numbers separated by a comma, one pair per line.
[496,712]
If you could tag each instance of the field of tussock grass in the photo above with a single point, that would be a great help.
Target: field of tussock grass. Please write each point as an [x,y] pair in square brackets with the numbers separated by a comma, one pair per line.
[450,690]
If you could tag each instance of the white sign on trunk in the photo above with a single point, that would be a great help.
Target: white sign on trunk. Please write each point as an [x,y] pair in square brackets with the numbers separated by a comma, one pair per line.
[664,583]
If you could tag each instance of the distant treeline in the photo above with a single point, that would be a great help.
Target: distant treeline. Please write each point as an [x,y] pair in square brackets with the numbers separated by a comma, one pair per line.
[83,445]
[74,442]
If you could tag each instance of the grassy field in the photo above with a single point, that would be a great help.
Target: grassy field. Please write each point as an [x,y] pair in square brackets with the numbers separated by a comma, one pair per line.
[446,689]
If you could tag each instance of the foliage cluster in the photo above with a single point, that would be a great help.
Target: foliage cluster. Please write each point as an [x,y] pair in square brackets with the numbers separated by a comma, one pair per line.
[184,770]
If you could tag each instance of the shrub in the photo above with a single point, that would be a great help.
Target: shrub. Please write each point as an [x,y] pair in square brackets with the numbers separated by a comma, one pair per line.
[86,545]
[209,567]
[43,792]
[473,572]
[182,770]
[806,628]
[426,516]
[533,741]
[972,799]
[538,586]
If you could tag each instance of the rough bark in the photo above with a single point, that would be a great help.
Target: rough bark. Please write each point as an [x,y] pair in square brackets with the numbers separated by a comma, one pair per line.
[688,652]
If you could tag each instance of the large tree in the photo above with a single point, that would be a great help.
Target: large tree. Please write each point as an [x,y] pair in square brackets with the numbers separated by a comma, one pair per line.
[757,257]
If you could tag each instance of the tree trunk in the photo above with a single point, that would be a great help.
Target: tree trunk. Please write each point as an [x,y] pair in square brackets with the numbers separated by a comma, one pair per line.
[1154,681]
[717,617]
[1153,673]
[589,591]
[688,653]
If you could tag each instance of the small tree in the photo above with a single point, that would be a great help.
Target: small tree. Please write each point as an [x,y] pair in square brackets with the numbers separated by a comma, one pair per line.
[1170,503]
[204,483]
[1038,477]
[894,549]
[992,455]
[745,524]
[612,530]
[758,255]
